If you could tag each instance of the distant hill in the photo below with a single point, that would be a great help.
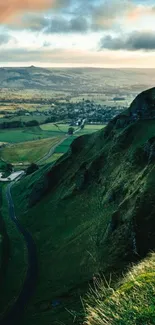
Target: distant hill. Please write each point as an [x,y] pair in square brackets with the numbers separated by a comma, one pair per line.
[118,82]
[91,213]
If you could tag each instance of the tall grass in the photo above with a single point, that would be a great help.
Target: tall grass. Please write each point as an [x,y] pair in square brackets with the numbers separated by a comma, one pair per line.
[131,301]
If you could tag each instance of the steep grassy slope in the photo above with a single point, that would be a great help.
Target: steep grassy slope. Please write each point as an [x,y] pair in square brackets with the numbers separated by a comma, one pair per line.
[4,244]
[13,254]
[130,302]
[92,212]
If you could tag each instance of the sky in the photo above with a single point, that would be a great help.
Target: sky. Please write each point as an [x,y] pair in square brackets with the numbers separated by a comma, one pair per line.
[77,33]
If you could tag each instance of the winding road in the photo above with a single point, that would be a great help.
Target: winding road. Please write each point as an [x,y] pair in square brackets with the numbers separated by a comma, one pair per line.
[13,316]
[51,151]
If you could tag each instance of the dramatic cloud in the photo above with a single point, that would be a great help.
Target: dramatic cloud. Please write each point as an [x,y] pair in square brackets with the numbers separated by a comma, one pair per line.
[71,15]
[132,42]
[62,25]
[44,31]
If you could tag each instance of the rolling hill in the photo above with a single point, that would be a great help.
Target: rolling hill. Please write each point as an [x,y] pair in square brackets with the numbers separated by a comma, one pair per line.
[86,80]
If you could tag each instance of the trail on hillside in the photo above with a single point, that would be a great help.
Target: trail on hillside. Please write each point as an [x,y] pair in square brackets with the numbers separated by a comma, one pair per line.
[15,313]
[51,151]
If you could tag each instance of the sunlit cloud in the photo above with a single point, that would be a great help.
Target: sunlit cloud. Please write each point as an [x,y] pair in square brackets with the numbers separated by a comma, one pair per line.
[81,30]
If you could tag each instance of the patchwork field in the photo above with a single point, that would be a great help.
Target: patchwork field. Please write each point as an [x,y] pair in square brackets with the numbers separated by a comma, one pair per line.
[25,134]
[28,152]
[29,145]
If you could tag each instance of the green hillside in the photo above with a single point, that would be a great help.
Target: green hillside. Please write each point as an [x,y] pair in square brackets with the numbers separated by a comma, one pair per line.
[91,215]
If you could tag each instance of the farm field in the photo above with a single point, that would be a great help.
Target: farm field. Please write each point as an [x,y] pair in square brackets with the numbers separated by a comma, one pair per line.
[28,145]
[55,127]
[25,134]
[64,128]
[28,152]
[90,129]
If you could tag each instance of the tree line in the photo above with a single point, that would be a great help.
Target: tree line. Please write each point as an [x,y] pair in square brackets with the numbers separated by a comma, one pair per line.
[18,124]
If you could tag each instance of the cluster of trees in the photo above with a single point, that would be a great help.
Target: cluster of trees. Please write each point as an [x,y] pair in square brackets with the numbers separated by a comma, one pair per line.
[18,124]
[31,169]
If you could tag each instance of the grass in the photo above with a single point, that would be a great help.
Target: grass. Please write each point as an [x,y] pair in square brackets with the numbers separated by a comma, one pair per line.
[64,128]
[88,129]
[55,127]
[28,152]
[130,302]
[53,158]
[25,134]
[82,222]
[64,146]
[17,267]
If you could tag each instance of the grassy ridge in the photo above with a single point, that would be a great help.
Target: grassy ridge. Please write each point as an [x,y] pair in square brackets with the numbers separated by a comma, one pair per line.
[131,302]
[88,200]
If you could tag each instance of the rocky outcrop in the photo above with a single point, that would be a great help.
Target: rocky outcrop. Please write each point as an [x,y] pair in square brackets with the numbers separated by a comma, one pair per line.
[143,106]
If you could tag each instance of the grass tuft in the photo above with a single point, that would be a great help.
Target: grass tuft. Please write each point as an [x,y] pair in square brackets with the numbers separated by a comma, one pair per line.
[131,301]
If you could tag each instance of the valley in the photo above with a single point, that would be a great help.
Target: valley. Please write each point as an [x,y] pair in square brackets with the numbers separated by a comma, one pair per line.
[77,227]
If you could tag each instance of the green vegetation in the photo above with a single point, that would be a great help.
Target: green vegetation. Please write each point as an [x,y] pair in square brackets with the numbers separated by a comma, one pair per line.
[27,134]
[88,129]
[64,128]
[91,213]
[53,158]
[55,127]
[29,151]
[88,200]
[130,302]
[64,146]
[16,260]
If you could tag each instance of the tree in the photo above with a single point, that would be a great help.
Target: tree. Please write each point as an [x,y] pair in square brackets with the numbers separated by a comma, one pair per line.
[31,169]
[9,168]
[70,131]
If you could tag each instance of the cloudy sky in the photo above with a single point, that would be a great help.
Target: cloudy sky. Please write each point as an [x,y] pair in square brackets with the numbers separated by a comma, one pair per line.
[75,33]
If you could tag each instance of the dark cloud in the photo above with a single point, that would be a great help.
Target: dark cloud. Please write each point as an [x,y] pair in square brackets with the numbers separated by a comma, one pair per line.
[132,42]
[67,15]
[62,25]
[4,38]
[71,16]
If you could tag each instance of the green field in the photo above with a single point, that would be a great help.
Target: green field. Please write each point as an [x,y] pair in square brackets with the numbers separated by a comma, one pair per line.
[64,128]
[40,132]
[28,152]
[25,134]
[63,147]
[55,127]
[88,129]
[37,141]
